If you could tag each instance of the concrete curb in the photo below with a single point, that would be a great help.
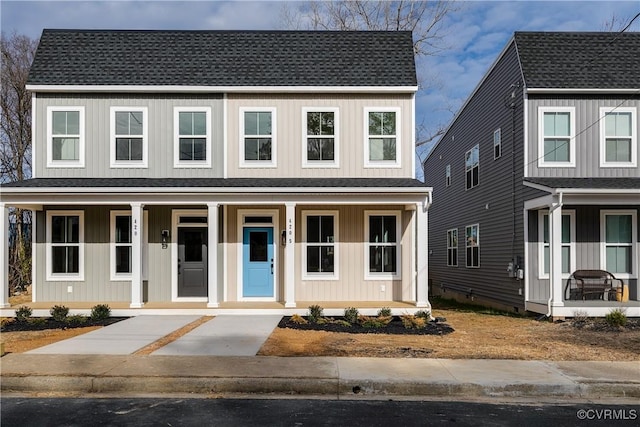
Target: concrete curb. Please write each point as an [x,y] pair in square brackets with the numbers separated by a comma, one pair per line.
[329,377]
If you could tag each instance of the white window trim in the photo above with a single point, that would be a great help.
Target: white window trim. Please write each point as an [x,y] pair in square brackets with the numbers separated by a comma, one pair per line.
[477,225]
[497,132]
[471,170]
[572,137]
[273,163]
[383,163]
[65,277]
[112,139]
[306,163]
[112,246]
[368,275]
[177,163]
[571,244]
[634,137]
[81,142]
[457,247]
[635,247]
[336,245]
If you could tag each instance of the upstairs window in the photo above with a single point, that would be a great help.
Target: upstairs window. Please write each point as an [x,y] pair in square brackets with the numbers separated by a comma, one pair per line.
[128,137]
[473,246]
[557,133]
[472,166]
[192,146]
[497,144]
[382,146]
[618,138]
[452,247]
[258,130]
[383,245]
[447,175]
[65,136]
[320,137]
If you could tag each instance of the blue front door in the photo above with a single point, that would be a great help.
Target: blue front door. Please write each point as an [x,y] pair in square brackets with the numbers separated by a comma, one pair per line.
[257,261]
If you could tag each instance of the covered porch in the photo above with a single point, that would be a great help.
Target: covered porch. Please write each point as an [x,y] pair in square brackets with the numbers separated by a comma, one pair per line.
[583,226]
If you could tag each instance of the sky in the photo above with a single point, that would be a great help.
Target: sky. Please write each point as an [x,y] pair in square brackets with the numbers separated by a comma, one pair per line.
[473,35]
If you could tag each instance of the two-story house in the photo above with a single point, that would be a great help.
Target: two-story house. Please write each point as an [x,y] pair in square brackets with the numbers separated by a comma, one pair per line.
[538,176]
[224,169]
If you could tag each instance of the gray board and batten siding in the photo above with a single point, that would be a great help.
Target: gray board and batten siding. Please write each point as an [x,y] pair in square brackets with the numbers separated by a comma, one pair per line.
[587,123]
[97,118]
[491,203]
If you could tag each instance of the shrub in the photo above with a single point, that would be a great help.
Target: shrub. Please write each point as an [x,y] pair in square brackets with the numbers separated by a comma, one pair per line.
[411,321]
[299,320]
[342,323]
[580,316]
[351,314]
[37,321]
[59,312]
[423,314]
[616,317]
[23,313]
[76,319]
[374,322]
[100,312]
[315,313]
[384,312]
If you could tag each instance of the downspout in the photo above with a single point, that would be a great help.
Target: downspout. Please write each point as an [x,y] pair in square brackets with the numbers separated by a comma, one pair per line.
[553,208]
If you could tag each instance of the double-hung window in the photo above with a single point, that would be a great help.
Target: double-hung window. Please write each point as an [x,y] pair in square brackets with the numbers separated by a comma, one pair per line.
[473,245]
[257,130]
[320,231]
[320,137]
[382,145]
[65,241]
[472,166]
[192,137]
[497,144]
[618,137]
[567,235]
[556,129]
[452,247]
[129,137]
[383,245]
[618,237]
[121,245]
[65,137]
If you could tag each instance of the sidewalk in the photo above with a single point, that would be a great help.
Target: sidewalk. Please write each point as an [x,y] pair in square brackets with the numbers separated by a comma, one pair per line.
[319,376]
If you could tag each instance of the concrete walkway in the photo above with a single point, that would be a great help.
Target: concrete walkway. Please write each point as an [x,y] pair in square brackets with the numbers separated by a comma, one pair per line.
[125,337]
[331,377]
[224,335]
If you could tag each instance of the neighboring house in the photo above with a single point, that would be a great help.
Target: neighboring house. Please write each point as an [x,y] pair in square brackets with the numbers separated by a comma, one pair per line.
[224,169]
[538,176]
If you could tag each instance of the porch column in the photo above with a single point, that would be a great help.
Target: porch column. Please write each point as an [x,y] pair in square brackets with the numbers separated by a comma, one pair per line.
[136,255]
[422,255]
[555,256]
[289,256]
[212,254]
[4,255]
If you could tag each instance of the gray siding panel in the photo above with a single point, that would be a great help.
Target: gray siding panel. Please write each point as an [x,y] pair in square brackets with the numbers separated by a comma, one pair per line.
[490,204]
[160,134]
[587,139]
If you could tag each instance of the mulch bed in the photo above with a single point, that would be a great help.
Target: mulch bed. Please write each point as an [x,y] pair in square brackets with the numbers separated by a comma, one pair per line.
[43,323]
[601,325]
[395,327]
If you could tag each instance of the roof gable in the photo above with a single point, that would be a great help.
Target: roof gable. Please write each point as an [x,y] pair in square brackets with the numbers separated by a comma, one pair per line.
[224,58]
[577,60]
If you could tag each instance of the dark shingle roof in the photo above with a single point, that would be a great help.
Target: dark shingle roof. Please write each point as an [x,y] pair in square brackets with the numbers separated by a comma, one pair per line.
[575,60]
[224,58]
[390,183]
[588,183]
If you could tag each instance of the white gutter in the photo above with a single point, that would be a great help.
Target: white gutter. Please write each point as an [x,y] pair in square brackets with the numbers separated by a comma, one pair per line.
[551,209]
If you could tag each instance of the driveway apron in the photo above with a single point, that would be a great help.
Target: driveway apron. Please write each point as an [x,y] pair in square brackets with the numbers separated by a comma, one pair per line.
[125,337]
[225,335]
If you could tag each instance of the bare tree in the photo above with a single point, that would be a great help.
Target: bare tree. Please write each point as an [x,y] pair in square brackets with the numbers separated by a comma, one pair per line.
[17,52]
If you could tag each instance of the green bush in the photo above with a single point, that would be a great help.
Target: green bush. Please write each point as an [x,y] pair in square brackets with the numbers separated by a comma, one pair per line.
[411,321]
[100,312]
[37,321]
[59,312]
[351,315]
[23,313]
[384,312]
[423,314]
[616,317]
[315,313]
[76,319]
[374,322]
